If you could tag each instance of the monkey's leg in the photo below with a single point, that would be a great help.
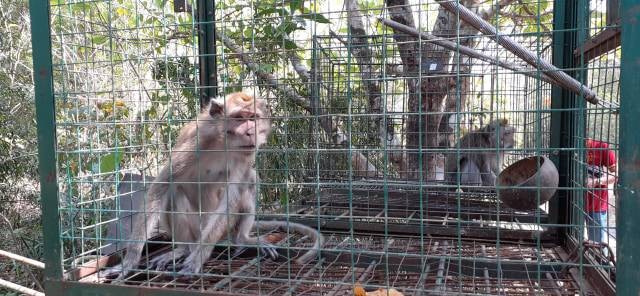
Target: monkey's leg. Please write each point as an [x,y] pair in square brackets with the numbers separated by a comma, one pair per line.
[215,226]
[488,176]
[470,173]
[243,239]
[247,206]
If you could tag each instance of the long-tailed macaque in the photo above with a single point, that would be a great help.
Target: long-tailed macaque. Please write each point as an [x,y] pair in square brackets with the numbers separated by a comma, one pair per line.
[207,189]
[480,167]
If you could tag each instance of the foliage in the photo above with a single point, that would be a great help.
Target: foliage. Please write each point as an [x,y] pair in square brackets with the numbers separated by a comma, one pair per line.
[20,230]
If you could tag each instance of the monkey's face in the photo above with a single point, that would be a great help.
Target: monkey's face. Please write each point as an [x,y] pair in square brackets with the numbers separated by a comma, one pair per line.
[501,133]
[246,121]
[507,140]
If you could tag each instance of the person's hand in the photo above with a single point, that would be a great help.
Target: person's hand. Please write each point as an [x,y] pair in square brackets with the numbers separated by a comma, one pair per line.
[593,182]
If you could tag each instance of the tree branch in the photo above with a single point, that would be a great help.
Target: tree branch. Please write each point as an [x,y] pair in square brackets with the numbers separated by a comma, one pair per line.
[334,132]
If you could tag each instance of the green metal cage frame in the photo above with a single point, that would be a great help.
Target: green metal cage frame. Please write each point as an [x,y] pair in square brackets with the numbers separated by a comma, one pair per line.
[565,17]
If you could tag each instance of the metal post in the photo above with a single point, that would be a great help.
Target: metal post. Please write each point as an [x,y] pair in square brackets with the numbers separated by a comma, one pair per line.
[45,116]
[565,18]
[628,203]
[207,50]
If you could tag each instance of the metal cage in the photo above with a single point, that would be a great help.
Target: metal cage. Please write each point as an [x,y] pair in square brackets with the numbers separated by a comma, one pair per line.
[365,116]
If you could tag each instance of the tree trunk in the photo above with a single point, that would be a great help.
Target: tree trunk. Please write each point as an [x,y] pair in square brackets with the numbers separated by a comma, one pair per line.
[359,46]
[434,92]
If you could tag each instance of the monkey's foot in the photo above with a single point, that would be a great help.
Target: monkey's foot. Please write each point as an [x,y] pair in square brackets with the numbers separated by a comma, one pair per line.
[171,258]
[111,272]
[265,250]
[115,273]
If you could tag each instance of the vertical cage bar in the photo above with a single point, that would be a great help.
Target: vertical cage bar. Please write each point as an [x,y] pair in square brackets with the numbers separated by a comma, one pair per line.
[45,116]
[565,19]
[207,50]
[628,220]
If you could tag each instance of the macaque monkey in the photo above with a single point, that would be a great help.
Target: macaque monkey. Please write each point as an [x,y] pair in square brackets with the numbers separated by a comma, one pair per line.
[207,189]
[480,167]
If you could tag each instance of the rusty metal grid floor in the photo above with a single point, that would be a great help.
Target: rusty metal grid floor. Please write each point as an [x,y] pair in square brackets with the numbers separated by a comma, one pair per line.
[410,265]
[407,211]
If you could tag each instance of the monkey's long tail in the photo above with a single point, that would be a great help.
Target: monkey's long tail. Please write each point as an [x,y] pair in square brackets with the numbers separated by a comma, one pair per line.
[297,227]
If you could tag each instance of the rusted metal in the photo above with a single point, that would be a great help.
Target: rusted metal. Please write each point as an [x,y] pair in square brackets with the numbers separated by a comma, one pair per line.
[408,264]
[474,230]
[594,272]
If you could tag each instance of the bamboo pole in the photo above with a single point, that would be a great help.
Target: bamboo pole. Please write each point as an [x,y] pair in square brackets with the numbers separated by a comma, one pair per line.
[22,259]
[18,288]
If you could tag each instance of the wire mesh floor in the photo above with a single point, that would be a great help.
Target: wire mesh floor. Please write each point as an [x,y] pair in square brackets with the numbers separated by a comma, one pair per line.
[369,208]
[410,265]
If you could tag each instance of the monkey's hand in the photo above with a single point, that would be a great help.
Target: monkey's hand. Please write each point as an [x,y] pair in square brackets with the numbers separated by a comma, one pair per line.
[264,250]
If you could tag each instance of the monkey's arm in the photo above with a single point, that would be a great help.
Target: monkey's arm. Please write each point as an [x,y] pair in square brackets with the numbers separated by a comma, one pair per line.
[488,175]
[451,169]
[470,172]
[246,223]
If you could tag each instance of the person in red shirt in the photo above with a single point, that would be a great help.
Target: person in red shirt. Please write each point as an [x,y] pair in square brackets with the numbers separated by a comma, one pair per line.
[602,173]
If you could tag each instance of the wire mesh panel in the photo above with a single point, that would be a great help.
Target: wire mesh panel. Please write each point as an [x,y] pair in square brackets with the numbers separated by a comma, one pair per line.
[432,143]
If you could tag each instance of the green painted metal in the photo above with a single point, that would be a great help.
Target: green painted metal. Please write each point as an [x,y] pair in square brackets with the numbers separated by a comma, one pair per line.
[560,100]
[207,50]
[565,117]
[88,289]
[628,222]
[45,115]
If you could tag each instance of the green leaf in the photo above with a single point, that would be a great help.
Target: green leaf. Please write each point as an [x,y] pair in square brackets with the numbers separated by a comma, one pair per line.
[108,163]
[248,33]
[79,7]
[284,199]
[266,11]
[121,11]
[296,5]
[266,68]
[543,5]
[160,3]
[268,30]
[288,27]
[316,17]
[289,44]
[99,39]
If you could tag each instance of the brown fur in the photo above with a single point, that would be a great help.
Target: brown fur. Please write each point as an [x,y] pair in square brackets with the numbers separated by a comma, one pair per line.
[480,167]
[207,190]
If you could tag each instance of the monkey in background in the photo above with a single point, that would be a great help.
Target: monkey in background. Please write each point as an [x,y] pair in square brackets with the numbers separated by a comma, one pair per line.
[480,167]
[207,190]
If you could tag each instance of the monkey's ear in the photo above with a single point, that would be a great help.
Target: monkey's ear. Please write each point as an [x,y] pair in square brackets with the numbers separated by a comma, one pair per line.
[216,107]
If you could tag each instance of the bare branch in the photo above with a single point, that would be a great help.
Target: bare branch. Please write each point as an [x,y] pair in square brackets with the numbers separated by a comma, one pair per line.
[334,132]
